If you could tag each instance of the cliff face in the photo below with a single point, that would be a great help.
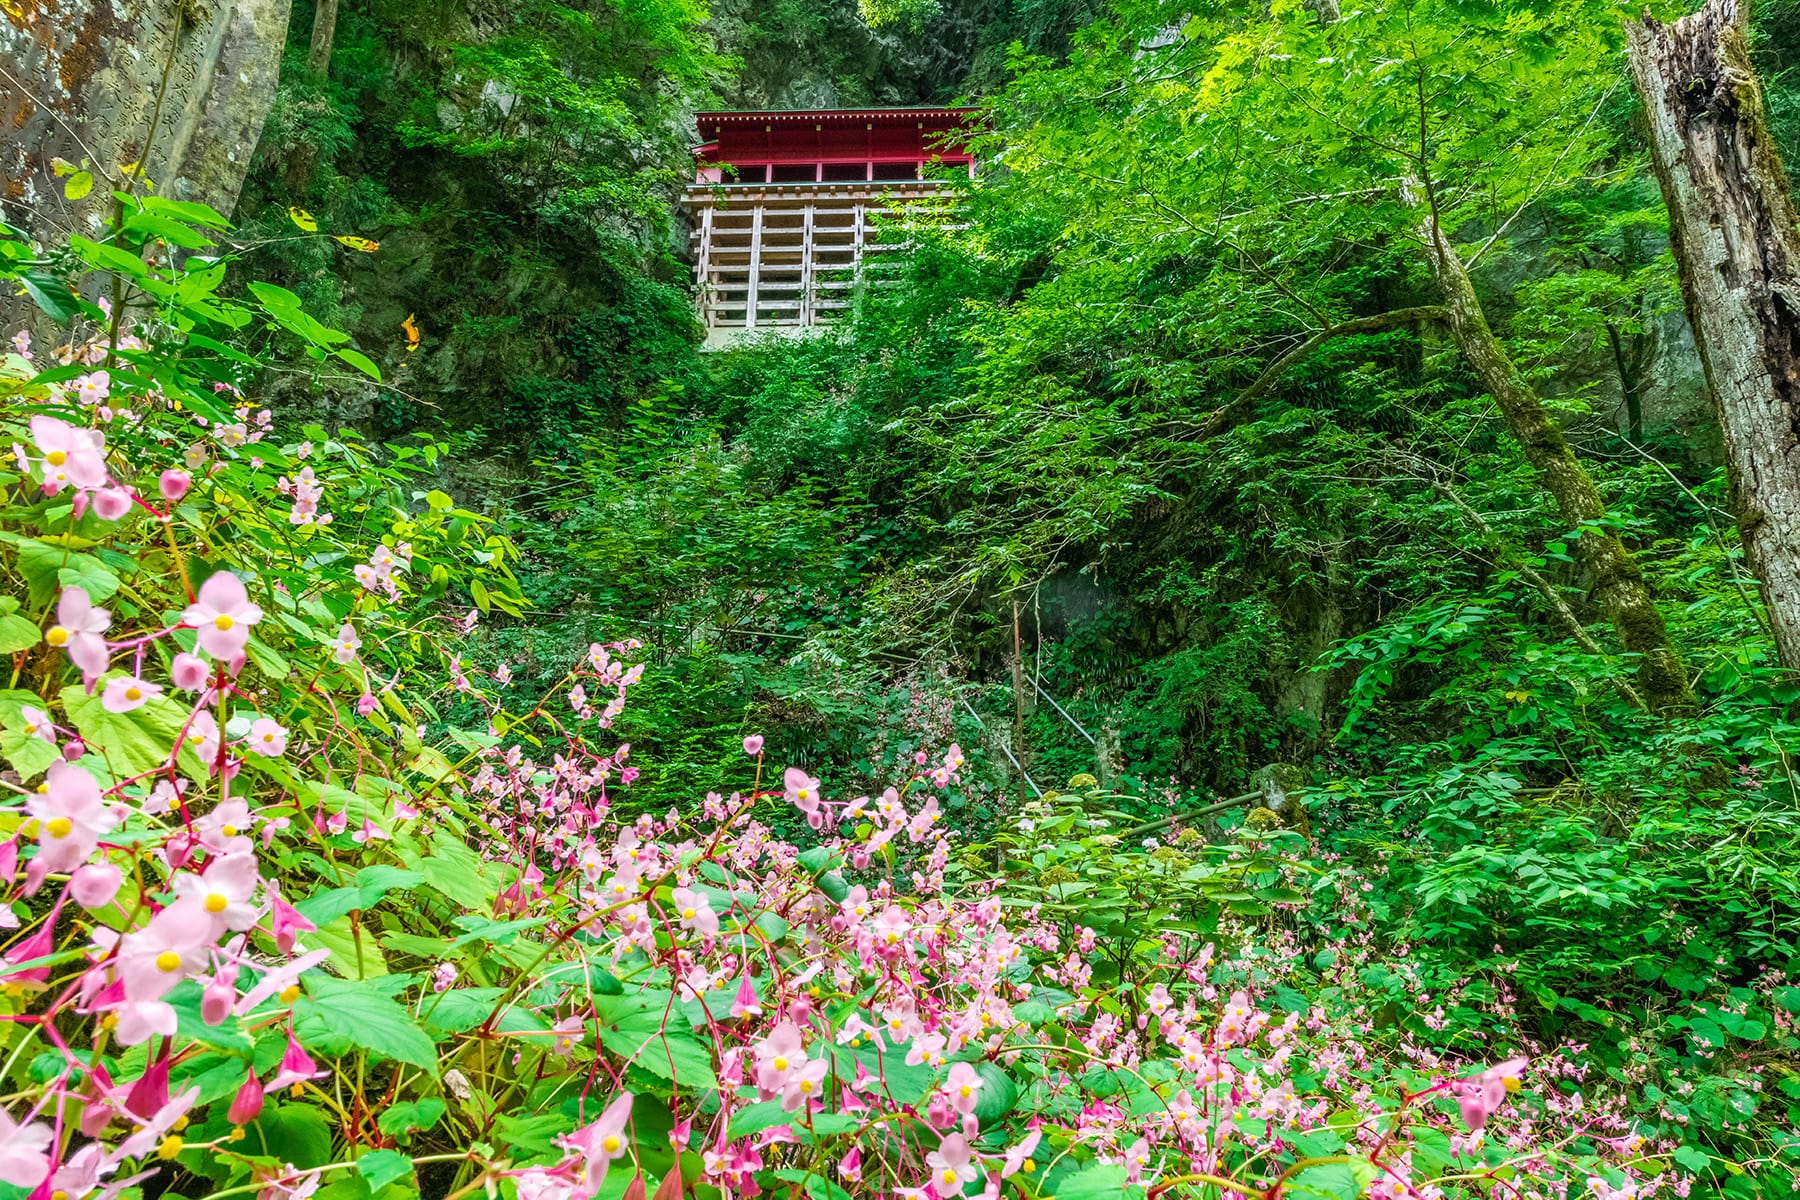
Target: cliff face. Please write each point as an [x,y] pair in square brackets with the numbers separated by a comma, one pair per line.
[180,85]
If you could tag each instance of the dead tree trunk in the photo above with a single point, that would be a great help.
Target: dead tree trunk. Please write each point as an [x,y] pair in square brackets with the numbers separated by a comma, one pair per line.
[1617,584]
[1732,222]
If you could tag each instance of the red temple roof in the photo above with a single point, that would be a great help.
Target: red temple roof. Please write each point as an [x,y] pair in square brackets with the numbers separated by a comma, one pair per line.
[829,145]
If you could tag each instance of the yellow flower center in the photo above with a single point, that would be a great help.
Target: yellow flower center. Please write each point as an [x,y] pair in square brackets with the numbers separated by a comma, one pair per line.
[1510,1082]
[802,793]
[171,1146]
[216,902]
[228,830]
[59,827]
[806,1087]
[59,1194]
[687,914]
[223,621]
[610,1143]
[133,693]
[56,458]
[965,1091]
[179,1124]
[1029,1165]
[290,993]
[168,961]
[948,1176]
[781,1064]
[58,636]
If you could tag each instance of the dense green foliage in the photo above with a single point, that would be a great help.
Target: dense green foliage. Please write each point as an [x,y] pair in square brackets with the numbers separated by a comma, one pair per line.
[1057,493]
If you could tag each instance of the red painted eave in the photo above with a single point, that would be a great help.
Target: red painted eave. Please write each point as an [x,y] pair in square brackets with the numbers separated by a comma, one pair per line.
[821,115]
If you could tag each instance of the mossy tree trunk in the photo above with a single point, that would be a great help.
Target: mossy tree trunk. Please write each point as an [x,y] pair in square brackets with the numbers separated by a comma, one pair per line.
[1617,583]
[1733,225]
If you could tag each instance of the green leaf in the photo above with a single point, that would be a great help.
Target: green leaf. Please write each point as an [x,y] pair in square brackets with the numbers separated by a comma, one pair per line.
[16,634]
[130,743]
[1098,1181]
[51,296]
[1693,1158]
[48,569]
[295,1133]
[382,1167]
[337,1015]
[647,1028]
[410,1115]
[29,756]
[228,1034]
[757,1117]
[1326,1181]
[78,185]
[361,362]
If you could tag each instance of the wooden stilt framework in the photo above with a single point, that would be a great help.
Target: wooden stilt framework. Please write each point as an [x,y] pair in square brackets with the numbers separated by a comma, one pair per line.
[788,256]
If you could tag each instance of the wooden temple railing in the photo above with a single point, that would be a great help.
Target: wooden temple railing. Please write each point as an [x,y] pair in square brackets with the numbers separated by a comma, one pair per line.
[789,256]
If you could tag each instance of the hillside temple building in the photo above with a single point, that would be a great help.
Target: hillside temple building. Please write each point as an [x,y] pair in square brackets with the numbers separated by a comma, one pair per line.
[783,206]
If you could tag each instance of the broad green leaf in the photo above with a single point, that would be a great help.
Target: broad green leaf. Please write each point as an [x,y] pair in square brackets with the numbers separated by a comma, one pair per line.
[16,634]
[646,1028]
[135,742]
[409,1116]
[337,1015]
[382,1167]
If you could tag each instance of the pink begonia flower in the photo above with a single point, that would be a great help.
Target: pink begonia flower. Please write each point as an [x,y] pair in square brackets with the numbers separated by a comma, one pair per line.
[1483,1094]
[94,885]
[173,484]
[753,745]
[35,722]
[696,912]
[370,832]
[93,387]
[347,645]
[804,1084]
[80,629]
[72,457]
[285,922]
[71,817]
[247,1105]
[222,893]
[267,738]
[126,692]
[599,1144]
[952,1165]
[850,1166]
[142,1141]
[24,1152]
[295,1068]
[223,614]
[778,1056]
[111,503]
[189,672]
[1017,1156]
[203,738]
[278,980]
[962,1086]
[366,704]
[164,952]
[802,790]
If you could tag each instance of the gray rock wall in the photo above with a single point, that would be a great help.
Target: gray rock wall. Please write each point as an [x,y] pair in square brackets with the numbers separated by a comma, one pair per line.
[183,85]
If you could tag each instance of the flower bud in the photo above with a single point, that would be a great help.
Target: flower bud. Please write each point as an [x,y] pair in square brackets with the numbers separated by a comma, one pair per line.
[174,484]
[247,1105]
[95,884]
[189,672]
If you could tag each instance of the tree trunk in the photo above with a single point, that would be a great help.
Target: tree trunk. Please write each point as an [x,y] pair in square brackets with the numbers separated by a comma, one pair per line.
[1732,222]
[318,55]
[1618,585]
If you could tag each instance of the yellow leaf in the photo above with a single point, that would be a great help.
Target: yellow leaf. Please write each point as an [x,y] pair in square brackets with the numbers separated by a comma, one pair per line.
[79,185]
[364,244]
[62,166]
[303,219]
[412,332]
